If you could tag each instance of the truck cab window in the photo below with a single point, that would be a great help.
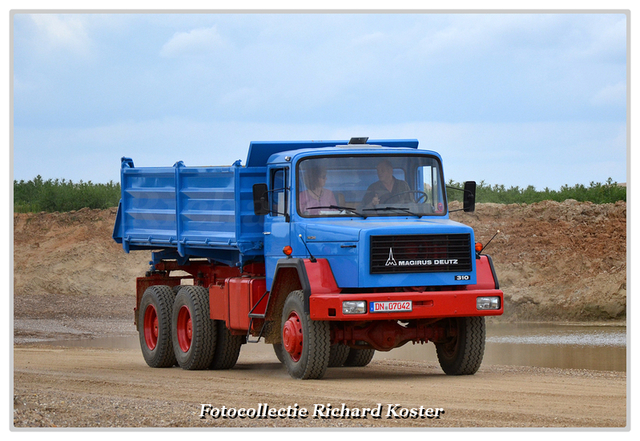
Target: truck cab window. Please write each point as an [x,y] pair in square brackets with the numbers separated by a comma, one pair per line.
[279,192]
[372,186]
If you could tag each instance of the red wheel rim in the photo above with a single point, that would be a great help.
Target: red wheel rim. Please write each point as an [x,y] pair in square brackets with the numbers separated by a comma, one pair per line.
[292,336]
[151,327]
[184,329]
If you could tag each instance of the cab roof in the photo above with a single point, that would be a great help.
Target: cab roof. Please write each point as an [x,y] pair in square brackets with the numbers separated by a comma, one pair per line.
[260,151]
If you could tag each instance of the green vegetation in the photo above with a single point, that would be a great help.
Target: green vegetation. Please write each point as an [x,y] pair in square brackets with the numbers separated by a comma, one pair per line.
[597,193]
[55,195]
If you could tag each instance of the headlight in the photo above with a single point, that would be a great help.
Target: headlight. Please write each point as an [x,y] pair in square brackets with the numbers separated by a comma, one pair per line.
[483,303]
[354,307]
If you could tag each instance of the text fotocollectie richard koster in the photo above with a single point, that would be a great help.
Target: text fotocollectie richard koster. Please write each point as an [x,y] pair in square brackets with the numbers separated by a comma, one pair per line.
[321,411]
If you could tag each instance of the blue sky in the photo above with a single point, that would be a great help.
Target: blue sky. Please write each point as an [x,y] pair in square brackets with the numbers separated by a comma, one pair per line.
[515,99]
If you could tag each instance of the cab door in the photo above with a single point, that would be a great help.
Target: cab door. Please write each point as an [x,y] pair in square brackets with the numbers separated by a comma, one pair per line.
[277,226]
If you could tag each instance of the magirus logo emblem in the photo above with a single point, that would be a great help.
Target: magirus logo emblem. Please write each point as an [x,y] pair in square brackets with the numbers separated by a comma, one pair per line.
[391,261]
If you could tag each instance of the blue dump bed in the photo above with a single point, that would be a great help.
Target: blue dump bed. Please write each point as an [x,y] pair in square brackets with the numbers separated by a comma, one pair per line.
[207,212]
[190,211]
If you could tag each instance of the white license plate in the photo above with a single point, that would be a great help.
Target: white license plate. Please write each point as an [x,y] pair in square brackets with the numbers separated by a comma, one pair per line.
[399,305]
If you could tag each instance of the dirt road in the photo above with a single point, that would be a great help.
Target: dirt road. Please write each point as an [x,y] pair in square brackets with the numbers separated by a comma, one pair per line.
[98,387]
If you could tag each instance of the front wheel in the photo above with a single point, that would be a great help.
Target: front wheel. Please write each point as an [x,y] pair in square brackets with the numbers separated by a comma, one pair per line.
[338,354]
[462,352]
[279,350]
[306,342]
[359,357]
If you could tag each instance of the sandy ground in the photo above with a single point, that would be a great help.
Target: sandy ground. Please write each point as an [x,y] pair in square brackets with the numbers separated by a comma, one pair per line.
[99,387]
[556,262]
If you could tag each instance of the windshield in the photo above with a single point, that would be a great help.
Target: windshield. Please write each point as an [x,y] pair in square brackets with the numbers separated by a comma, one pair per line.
[390,185]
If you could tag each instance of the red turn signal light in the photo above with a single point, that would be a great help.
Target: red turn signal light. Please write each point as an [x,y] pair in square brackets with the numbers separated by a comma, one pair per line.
[287,250]
[478,247]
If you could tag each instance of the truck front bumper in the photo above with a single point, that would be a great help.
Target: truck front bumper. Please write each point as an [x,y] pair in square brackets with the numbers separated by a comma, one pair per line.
[424,305]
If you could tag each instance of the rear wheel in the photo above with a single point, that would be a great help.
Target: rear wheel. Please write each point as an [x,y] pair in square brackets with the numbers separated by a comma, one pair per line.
[305,342]
[154,326]
[194,333]
[462,352]
[227,347]
[359,357]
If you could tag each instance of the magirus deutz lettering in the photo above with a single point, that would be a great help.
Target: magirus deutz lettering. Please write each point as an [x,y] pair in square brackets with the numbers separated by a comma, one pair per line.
[427,262]
[391,261]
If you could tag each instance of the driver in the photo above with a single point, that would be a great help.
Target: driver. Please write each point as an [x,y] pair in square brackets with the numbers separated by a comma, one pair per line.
[386,188]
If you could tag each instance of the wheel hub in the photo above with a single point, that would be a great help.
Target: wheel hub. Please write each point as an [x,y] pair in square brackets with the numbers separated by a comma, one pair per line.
[292,336]
[151,327]
[184,328]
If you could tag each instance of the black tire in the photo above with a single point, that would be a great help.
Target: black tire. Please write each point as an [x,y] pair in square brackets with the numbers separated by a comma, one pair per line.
[359,357]
[279,350]
[309,354]
[227,347]
[154,326]
[338,354]
[462,354]
[194,350]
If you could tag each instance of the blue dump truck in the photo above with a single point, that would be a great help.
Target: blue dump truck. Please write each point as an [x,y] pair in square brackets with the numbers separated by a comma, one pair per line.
[328,250]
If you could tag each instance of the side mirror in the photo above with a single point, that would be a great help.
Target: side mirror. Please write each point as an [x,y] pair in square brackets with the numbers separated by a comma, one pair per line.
[260,199]
[469,204]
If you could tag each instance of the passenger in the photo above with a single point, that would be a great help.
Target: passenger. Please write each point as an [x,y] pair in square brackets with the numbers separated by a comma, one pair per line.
[386,188]
[316,195]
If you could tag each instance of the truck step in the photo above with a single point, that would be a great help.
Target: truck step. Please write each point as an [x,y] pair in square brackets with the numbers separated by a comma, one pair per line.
[258,310]
[257,340]
[253,314]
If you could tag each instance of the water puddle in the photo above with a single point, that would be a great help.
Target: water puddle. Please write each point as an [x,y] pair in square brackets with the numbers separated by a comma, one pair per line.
[103,342]
[555,346]
[558,335]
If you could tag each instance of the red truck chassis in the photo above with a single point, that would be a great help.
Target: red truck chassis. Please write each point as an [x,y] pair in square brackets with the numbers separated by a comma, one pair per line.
[239,298]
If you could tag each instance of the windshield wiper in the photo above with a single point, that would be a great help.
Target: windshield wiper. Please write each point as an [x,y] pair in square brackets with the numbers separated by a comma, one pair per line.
[406,210]
[338,207]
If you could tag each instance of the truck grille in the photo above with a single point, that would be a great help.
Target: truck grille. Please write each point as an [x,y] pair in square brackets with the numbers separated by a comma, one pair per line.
[421,253]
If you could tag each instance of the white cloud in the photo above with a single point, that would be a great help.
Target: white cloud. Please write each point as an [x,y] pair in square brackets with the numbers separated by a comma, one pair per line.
[605,39]
[61,32]
[611,95]
[369,39]
[196,41]
[467,36]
